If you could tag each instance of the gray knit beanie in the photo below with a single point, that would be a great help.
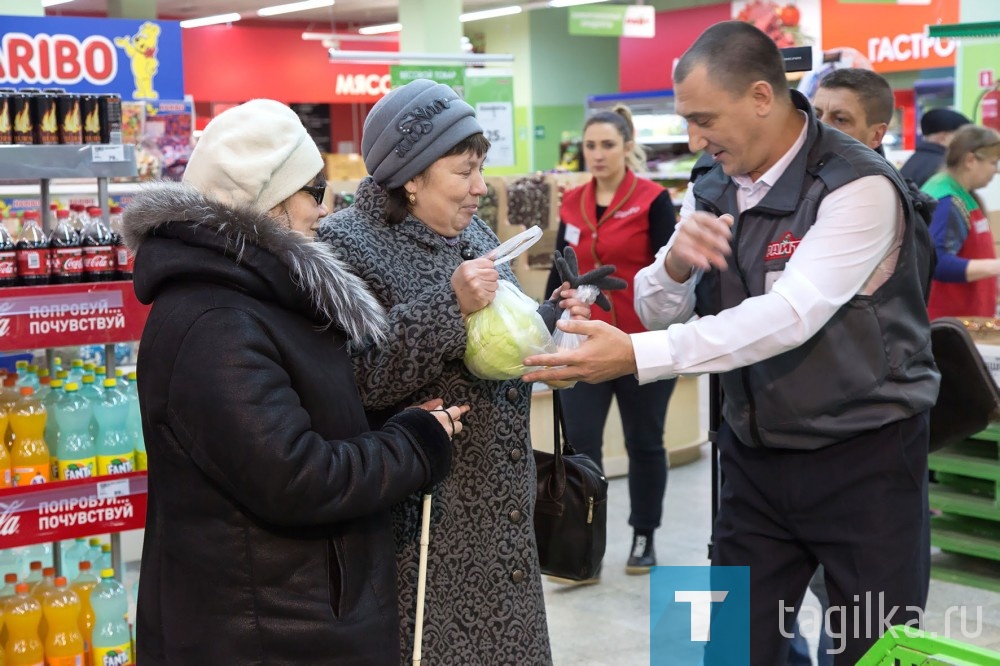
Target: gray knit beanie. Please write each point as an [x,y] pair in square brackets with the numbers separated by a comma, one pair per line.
[411,127]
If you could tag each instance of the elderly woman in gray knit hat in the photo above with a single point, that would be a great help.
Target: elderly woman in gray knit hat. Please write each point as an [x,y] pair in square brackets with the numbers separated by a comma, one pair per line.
[268,535]
[414,237]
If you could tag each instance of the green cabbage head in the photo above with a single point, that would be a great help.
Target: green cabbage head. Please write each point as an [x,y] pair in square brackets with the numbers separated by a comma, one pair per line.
[503,333]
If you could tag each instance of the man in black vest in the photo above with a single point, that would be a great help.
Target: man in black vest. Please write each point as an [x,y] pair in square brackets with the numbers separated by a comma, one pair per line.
[859,103]
[797,251]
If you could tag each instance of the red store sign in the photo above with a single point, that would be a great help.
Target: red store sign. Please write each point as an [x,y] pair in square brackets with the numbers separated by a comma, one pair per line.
[72,509]
[69,315]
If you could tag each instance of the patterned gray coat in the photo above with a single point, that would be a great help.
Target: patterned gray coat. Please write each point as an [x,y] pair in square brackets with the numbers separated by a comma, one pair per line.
[484,601]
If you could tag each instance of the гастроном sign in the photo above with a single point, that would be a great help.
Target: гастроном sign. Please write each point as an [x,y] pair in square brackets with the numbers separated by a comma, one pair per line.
[139,60]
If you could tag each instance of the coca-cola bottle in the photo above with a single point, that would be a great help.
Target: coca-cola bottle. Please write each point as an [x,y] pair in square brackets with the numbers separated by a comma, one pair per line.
[8,259]
[123,257]
[32,249]
[78,216]
[65,252]
[98,252]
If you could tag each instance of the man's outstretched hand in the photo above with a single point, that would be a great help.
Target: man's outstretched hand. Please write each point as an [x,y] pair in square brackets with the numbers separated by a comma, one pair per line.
[606,354]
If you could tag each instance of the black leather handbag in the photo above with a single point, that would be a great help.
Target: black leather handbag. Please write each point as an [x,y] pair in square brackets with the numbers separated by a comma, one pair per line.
[571,509]
[969,399]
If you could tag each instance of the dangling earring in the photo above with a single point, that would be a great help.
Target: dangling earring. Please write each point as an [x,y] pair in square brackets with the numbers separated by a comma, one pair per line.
[412,198]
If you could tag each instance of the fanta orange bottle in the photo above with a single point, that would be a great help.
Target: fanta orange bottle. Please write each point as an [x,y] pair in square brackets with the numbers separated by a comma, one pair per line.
[39,590]
[82,585]
[6,592]
[9,396]
[64,643]
[5,473]
[22,613]
[30,460]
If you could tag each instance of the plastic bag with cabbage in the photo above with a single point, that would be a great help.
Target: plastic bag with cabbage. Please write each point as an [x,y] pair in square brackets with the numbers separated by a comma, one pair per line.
[503,333]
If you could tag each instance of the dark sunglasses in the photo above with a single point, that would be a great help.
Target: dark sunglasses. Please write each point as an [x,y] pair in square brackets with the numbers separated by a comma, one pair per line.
[317,192]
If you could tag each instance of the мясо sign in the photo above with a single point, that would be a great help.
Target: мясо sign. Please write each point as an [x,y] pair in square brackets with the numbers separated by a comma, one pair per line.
[137,59]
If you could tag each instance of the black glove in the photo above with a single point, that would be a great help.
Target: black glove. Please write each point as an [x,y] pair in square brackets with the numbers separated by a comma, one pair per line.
[568,269]
[600,277]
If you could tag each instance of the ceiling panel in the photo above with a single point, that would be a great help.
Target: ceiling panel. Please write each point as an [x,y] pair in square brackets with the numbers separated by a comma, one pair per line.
[343,11]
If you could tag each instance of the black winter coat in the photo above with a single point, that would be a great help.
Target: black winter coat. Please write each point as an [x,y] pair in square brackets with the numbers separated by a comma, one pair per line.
[268,536]
[925,161]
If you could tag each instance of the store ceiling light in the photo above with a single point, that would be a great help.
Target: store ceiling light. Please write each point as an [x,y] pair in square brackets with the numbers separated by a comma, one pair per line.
[210,20]
[294,7]
[490,13]
[52,3]
[573,3]
[396,57]
[381,29]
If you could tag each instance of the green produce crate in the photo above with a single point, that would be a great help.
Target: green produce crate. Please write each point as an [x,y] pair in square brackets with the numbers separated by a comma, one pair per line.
[904,646]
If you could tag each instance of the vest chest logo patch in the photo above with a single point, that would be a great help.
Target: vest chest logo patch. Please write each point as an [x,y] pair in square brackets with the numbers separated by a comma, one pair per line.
[782,249]
[627,212]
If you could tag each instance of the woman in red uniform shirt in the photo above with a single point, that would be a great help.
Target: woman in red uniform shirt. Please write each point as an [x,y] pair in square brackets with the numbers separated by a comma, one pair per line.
[965,278]
[621,219]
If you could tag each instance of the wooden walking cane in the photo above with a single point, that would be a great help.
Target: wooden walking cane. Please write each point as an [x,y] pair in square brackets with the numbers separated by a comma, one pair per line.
[425,529]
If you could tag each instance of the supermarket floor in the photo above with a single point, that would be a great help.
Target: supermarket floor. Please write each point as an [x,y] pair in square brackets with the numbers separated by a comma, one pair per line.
[608,624]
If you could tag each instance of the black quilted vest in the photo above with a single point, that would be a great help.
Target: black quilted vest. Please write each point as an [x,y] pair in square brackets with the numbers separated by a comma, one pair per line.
[871,364]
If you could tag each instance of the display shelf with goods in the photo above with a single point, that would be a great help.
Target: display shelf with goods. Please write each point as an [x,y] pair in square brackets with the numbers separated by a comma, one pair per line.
[66,315]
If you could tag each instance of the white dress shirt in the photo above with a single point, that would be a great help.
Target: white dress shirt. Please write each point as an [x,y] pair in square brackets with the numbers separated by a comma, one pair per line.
[850,249]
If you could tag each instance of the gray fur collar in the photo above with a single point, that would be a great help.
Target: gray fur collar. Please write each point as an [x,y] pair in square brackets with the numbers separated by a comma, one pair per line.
[339,296]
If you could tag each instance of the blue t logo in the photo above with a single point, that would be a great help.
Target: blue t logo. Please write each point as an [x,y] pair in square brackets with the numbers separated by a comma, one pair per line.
[699,615]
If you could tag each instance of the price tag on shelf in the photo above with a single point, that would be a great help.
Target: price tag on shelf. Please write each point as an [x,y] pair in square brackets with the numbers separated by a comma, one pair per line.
[107,153]
[111,489]
[497,120]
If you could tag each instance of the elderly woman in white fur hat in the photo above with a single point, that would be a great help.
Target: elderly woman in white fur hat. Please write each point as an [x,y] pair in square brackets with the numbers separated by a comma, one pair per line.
[268,534]
[413,235]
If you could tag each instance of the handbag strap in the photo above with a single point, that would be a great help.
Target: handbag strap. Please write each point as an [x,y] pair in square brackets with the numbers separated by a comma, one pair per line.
[559,443]
[561,440]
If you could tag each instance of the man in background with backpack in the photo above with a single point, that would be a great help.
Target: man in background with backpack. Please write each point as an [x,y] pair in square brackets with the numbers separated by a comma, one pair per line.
[937,126]
[797,248]
[860,103]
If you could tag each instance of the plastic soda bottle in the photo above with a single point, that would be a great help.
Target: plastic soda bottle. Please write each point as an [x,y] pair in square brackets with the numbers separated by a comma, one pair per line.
[5,472]
[7,591]
[64,642]
[8,397]
[27,375]
[92,395]
[73,553]
[75,370]
[30,460]
[105,561]
[56,389]
[83,585]
[39,590]
[12,562]
[52,424]
[32,250]
[22,614]
[135,422]
[94,552]
[75,450]
[112,642]
[34,573]
[115,453]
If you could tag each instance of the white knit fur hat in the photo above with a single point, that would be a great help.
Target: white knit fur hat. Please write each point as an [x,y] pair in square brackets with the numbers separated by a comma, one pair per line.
[256,154]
